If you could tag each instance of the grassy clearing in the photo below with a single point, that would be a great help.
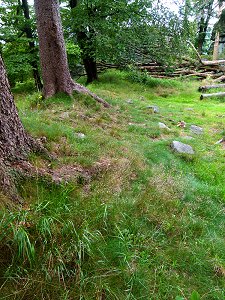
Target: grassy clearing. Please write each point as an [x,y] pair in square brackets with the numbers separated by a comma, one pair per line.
[138,221]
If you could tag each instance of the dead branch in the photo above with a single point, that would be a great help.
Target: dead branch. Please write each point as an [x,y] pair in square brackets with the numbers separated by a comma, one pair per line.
[208,87]
[221,78]
[203,96]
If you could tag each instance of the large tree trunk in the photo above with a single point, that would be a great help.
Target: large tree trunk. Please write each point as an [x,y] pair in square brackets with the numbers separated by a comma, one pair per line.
[15,143]
[54,64]
[29,35]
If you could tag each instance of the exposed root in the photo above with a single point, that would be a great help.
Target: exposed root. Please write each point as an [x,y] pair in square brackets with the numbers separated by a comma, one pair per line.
[7,186]
[8,169]
[37,147]
[83,90]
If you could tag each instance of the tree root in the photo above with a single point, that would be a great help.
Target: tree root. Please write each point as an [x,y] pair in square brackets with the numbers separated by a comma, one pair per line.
[8,169]
[8,191]
[83,90]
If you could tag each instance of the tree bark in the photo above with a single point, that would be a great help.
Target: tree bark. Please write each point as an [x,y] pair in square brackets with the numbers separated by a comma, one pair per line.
[89,61]
[208,87]
[217,37]
[54,64]
[14,141]
[203,96]
[29,35]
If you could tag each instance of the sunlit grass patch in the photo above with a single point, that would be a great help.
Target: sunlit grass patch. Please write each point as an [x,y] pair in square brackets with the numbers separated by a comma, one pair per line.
[138,220]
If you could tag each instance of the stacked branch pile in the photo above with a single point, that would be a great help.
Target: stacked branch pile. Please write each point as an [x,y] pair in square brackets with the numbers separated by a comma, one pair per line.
[200,69]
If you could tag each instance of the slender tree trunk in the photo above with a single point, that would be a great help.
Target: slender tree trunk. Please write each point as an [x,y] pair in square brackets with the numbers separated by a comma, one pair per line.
[29,35]
[201,36]
[217,37]
[87,45]
[54,64]
[91,69]
[203,25]
[216,46]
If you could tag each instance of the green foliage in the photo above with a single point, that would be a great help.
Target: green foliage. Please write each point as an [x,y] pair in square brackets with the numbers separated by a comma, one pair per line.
[18,56]
[74,56]
[135,221]
[17,61]
[195,296]
[125,32]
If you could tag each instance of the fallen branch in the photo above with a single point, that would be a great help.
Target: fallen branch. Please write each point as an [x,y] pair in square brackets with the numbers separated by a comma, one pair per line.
[196,51]
[221,78]
[204,75]
[222,94]
[213,62]
[83,90]
[208,87]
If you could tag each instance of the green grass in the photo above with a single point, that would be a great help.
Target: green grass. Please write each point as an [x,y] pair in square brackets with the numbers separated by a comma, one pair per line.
[138,221]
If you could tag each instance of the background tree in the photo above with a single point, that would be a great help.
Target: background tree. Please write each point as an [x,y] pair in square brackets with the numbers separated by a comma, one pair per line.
[86,38]
[218,30]
[205,12]
[54,64]
[30,36]
[19,49]
[122,32]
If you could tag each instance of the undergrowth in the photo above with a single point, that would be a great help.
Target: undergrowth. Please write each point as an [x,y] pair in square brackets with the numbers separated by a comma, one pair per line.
[137,221]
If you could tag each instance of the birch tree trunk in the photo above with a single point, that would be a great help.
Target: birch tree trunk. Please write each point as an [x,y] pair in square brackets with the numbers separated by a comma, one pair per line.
[216,46]
[217,37]
[30,36]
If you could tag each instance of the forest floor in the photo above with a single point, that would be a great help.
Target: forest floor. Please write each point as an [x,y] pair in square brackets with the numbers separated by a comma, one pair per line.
[117,214]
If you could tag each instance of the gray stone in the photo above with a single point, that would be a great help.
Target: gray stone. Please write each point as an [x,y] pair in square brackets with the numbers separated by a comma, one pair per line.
[182,148]
[81,135]
[220,141]
[196,129]
[129,101]
[154,108]
[64,115]
[163,126]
